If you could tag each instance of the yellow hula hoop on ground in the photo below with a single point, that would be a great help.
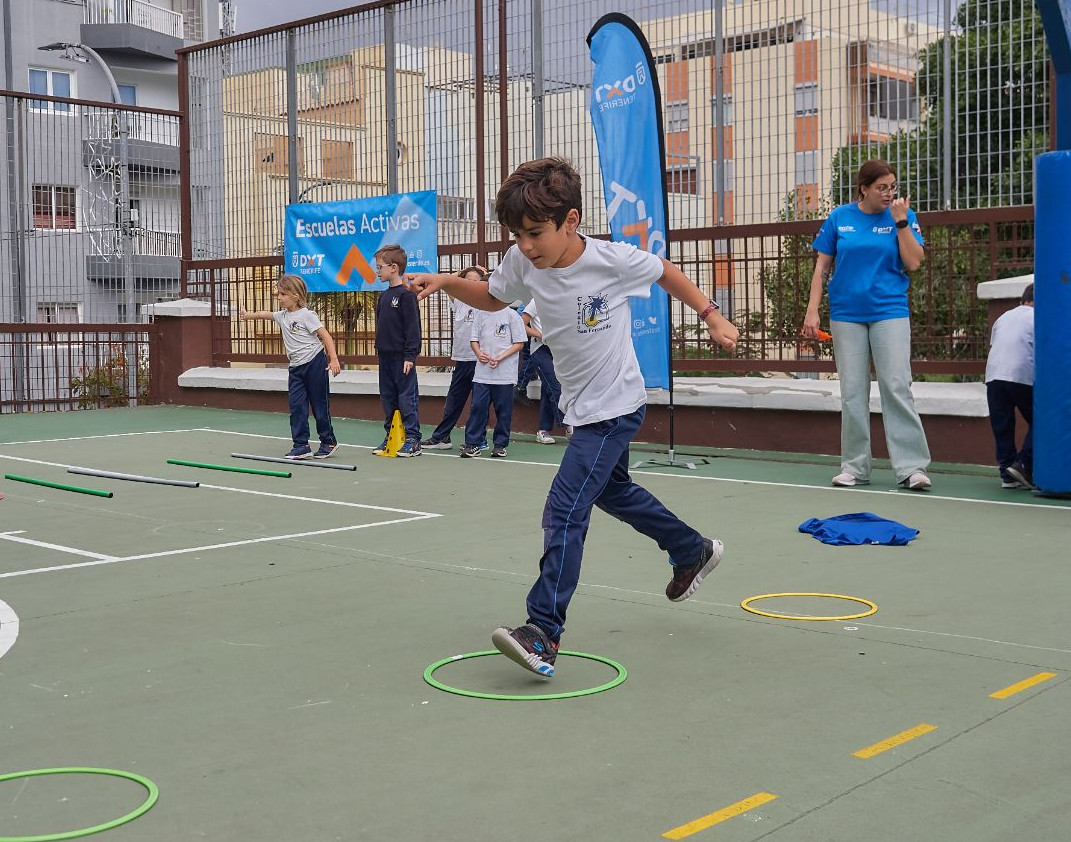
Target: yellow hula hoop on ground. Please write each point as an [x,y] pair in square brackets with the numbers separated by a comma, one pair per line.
[872,609]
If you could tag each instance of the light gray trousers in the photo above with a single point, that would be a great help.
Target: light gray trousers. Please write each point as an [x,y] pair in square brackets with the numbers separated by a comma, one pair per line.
[888,343]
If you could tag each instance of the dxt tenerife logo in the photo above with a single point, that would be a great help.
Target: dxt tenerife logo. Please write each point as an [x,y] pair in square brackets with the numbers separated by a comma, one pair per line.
[307,264]
[622,92]
[592,313]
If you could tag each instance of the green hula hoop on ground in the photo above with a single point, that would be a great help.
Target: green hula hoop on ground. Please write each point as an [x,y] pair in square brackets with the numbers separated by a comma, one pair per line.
[622,674]
[154,793]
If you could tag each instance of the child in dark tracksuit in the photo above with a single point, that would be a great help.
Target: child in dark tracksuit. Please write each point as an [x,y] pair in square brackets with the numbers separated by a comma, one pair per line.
[397,343]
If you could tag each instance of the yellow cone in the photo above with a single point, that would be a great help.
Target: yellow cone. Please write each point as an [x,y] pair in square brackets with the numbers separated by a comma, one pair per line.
[396,436]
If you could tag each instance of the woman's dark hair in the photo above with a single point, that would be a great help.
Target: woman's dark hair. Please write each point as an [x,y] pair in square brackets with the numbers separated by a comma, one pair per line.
[870,172]
[1028,295]
[480,272]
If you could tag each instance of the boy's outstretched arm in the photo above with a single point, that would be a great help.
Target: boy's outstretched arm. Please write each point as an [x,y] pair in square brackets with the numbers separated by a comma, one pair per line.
[677,284]
[473,293]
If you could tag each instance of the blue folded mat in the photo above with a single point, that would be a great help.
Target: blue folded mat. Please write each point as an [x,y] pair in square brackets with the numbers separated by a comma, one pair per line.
[858,528]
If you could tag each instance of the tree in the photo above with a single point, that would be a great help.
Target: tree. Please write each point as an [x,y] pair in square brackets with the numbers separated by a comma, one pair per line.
[1000,113]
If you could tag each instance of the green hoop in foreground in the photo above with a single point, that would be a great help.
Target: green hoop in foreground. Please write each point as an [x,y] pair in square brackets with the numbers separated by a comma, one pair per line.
[154,793]
[622,674]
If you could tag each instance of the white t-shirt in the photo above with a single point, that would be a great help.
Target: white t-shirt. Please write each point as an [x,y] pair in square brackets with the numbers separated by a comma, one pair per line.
[586,322]
[463,316]
[1011,347]
[496,332]
[299,334]
[532,311]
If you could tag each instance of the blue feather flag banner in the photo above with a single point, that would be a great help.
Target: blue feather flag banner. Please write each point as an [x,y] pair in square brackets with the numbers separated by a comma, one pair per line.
[626,111]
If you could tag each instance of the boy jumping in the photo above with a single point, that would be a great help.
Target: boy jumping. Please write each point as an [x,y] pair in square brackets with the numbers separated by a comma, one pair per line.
[581,287]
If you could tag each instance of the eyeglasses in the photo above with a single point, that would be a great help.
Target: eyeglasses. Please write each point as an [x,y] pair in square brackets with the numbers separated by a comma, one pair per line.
[887,189]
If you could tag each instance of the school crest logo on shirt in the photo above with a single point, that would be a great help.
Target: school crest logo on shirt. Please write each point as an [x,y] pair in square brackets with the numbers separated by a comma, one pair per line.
[394,301]
[502,330]
[592,313]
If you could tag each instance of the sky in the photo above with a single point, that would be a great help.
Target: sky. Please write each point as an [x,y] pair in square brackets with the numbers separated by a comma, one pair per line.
[257,14]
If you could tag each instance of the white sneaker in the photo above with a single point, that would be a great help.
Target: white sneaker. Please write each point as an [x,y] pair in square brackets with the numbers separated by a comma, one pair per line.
[918,481]
[543,437]
[844,480]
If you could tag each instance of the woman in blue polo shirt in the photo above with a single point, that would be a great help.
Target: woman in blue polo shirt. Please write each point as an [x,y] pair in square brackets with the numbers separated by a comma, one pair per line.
[875,242]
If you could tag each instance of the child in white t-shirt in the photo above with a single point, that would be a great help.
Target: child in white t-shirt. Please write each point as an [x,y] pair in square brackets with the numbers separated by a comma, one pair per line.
[582,287]
[311,352]
[496,340]
[1009,384]
[464,366]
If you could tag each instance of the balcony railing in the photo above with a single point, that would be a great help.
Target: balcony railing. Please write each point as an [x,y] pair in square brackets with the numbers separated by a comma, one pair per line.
[136,12]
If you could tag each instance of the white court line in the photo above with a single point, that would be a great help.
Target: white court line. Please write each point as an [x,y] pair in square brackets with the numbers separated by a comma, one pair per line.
[900,494]
[250,491]
[318,500]
[207,547]
[103,436]
[9,627]
[11,536]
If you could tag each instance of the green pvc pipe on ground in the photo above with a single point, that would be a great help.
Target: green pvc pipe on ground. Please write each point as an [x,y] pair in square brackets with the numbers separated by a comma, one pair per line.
[284,474]
[76,488]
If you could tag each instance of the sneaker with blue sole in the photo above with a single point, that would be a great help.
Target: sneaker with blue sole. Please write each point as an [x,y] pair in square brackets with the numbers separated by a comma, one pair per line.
[527,645]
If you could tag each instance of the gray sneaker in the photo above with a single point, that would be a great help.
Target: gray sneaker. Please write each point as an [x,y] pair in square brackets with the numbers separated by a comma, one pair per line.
[437,444]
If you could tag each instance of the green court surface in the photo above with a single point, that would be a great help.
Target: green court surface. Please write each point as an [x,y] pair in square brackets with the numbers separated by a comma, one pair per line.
[256,646]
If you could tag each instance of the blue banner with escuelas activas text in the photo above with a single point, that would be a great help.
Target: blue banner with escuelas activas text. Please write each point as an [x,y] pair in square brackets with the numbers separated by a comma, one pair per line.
[332,245]
[627,115]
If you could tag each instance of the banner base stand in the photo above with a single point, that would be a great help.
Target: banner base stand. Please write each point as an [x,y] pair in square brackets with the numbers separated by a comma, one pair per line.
[671,462]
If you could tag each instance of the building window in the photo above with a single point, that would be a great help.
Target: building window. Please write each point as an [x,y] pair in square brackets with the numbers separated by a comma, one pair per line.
[891,99]
[806,99]
[682,180]
[128,94]
[54,207]
[455,209]
[336,159]
[271,154]
[730,176]
[50,83]
[58,313]
[806,167]
[726,109]
[676,117]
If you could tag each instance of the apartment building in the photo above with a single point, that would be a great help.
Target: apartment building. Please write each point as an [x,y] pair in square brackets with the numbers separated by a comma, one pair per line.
[90,216]
[756,110]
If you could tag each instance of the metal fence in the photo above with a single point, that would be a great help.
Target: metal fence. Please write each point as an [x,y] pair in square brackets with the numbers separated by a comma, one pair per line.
[768,107]
[84,366]
[768,267]
[89,231]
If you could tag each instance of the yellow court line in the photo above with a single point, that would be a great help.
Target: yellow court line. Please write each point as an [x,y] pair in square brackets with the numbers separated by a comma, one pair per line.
[1025,684]
[702,823]
[894,741]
